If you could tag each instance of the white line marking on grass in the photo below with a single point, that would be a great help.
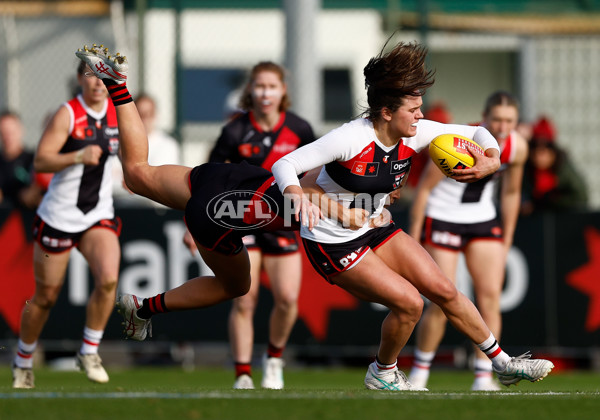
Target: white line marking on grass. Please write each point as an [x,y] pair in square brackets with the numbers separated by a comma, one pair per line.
[284,395]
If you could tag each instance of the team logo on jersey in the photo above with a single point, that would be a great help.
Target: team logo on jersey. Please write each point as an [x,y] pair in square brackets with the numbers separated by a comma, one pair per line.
[398,180]
[98,124]
[84,133]
[365,168]
[400,166]
[267,141]
[385,158]
[113,146]
[90,133]
[248,150]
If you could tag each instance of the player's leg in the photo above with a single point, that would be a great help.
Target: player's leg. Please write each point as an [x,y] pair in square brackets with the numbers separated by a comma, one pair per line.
[432,326]
[373,281]
[49,271]
[486,261]
[241,325]
[167,184]
[285,276]
[231,279]
[100,247]
[409,259]
[406,257]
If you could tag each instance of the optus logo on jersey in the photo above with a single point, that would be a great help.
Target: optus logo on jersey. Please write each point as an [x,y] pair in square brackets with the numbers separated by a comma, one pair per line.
[111,131]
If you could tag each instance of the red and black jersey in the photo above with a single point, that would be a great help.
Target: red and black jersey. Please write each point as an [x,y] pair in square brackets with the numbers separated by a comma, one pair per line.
[243,140]
[87,131]
[80,195]
[374,170]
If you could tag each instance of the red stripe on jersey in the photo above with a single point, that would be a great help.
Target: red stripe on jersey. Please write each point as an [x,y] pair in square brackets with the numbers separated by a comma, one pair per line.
[366,156]
[80,119]
[256,200]
[507,149]
[259,128]
[285,142]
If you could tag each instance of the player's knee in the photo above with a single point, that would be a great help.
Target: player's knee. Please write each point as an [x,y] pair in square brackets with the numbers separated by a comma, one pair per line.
[445,291]
[287,300]
[237,287]
[409,309]
[286,304]
[108,285]
[414,308]
[44,301]
[245,305]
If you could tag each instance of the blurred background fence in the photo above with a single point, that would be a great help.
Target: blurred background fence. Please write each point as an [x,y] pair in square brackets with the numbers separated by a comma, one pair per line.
[192,56]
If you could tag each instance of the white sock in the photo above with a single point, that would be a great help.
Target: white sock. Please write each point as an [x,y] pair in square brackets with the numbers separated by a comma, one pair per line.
[383,367]
[423,359]
[491,348]
[24,357]
[483,369]
[91,341]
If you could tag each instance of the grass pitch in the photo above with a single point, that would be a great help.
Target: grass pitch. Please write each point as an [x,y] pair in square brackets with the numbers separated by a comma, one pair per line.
[315,393]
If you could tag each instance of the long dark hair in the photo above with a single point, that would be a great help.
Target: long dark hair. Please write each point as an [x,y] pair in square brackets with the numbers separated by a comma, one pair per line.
[392,76]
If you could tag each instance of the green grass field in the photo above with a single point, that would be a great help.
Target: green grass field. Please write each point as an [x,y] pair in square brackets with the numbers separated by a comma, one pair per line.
[315,393]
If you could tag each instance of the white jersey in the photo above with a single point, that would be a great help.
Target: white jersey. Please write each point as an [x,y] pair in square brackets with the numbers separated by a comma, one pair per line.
[81,195]
[359,170]
[459,202]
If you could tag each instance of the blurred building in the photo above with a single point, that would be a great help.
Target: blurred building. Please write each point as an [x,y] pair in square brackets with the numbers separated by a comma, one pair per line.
[190,54]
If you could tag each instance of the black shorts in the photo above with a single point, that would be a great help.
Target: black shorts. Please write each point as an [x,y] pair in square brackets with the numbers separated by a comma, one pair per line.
[456,236]
[331,259]
[272,243]
[56,241]
[240,184]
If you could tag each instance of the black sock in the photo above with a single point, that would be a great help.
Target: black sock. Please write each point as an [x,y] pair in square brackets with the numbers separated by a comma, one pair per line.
[118,93]
[151,306]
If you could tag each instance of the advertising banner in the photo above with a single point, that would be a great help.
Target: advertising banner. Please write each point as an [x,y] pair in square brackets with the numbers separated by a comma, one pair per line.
[551,295]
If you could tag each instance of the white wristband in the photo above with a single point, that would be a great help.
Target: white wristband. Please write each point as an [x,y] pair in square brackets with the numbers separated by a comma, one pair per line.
[79,156]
